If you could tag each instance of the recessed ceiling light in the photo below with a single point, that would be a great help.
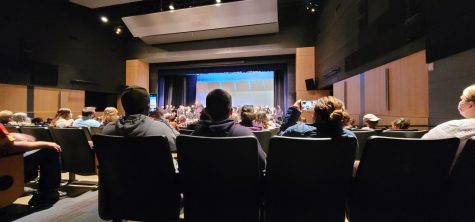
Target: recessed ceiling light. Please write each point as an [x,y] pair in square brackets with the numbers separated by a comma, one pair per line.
[218,1]
[118,30]
[171,7]
[104,19]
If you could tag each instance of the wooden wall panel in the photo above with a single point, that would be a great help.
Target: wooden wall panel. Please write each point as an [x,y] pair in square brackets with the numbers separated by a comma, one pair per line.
[13,98]
[73,99]
[47,101]
[394,90]
[137,73]
[304,67]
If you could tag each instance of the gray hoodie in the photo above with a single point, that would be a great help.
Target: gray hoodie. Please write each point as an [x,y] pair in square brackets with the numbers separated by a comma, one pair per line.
[139,125]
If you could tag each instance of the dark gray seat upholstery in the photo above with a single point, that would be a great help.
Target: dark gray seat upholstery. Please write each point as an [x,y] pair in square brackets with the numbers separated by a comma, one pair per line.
[308,179]
[137,179]
[220,178]
[401,179]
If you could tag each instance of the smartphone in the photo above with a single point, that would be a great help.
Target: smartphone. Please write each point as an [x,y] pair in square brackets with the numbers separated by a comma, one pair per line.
[308,104]
[153,102]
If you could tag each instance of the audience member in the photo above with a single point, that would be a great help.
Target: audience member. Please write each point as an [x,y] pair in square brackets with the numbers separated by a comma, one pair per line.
[400,124]
[157,115]
[109,115]
[136,123]
[20,119]
[6,117]
[370,121]
[37,121]
[328,120]
[247,118]
[262,120]
[348,123]
[63,118]
[181,123]
[170,117]
[87,118]
[40,156]
[219,109]
[461,128]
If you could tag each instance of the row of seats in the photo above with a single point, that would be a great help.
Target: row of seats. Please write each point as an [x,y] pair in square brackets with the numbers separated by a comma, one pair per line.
[307,179]
[77,156]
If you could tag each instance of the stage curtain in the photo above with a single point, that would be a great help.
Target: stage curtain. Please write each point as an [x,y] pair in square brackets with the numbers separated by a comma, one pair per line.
[190,94]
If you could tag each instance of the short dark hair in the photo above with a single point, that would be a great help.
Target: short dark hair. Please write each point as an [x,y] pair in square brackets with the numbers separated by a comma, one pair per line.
[86,111]
[135,100]
[218,104]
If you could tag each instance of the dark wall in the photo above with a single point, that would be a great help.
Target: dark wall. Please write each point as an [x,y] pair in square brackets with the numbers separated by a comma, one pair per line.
[446,82]
[355,36]
[63,38]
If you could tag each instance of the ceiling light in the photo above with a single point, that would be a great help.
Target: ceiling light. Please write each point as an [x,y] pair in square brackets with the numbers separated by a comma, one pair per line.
[218,1]
[171,7]
[118,30]
[104,19]
[313,9]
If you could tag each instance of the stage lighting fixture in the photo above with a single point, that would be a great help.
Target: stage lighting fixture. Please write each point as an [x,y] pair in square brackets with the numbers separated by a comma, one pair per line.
[171,7]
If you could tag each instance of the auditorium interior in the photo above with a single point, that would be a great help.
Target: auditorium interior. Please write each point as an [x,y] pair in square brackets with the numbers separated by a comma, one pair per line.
[398,60]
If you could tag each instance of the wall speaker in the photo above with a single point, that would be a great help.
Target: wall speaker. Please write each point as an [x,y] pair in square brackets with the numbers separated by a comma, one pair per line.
[310,84]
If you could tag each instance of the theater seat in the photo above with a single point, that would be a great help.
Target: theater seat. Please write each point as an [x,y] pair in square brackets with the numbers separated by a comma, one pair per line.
[461,195]
[401,179]
[137,179]
[11,178]
[220,178]
[308,179]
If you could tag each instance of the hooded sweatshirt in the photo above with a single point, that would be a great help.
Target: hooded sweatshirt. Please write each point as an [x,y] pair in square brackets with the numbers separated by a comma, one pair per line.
[139,125]
[227,128]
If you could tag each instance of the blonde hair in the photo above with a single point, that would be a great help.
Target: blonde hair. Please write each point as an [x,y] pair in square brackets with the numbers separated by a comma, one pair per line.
[5,116]
[109,115]
[329,116]
[261,117]
[468,94]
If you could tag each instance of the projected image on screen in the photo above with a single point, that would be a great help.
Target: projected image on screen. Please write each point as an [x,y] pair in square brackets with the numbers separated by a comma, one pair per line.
[246,88]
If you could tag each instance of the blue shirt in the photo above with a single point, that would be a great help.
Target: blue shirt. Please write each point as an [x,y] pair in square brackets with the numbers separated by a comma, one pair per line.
[86,122]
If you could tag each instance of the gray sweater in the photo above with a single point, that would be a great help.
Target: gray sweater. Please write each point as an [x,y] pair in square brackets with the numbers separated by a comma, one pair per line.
[139,125]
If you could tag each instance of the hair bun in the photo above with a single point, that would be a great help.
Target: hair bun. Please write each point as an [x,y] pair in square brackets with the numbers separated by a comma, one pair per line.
[337,115]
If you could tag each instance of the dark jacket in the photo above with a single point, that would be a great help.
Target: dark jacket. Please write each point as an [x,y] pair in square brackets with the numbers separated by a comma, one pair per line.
[227,128]
[291,128]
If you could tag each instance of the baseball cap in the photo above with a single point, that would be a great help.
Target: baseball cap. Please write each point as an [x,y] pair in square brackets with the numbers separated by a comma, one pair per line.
[371,117]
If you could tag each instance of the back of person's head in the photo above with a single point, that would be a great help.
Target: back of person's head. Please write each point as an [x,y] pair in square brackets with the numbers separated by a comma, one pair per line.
[261,118]
[135,100]
[64,113]
[370,120]
[20,118]
[5,116]
[329,115]
[37,121]
[88,111]
[247,115]
[218,104]
[109,115]
[468,94]
[400,123]
[346,120]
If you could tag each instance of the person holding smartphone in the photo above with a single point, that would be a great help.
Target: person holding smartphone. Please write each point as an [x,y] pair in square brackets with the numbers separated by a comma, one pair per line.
[328,120]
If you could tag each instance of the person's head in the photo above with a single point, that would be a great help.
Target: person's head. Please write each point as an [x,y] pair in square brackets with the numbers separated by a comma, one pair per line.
[466,105]
[400,123]
[64,113]
[218,104]
[247,115]
[21,118]
[109,115]
[261,117]
[88,112]
[6,116]
[370,120]
[347,120]
[329,115]
[135,100]
[37,121]
[182,119]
